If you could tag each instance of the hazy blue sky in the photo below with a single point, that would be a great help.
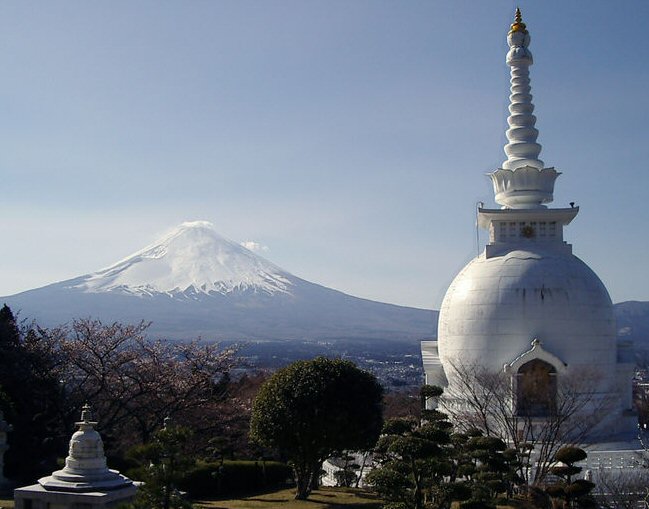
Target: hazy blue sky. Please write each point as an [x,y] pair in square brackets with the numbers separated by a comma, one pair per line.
[349,137]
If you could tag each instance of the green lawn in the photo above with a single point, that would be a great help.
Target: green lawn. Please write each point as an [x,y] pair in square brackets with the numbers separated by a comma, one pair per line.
[325,498]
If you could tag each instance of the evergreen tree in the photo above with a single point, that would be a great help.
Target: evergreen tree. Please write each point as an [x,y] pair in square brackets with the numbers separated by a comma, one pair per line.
[32,400]
[569,491]
[164,465]
[424,464]
[492,477]
[416,461]
[311,410]
[9,333]
[346,477]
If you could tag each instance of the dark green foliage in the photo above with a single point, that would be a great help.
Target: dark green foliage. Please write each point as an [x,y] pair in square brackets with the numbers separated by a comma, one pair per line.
[556,490]
[424,464]
[538,497]
[31,399]
[429,392]
[164,464]
[227,478]
[9,333]
[415,462]
[488,467]
[311,410]
[572,493]
[579,488]
[570,455]
[346,477]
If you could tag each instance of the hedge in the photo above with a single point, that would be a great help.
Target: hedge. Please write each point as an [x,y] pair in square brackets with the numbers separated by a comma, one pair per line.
[235,477]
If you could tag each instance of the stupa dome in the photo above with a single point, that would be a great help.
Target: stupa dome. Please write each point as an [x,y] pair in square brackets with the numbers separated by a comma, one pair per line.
[496,306]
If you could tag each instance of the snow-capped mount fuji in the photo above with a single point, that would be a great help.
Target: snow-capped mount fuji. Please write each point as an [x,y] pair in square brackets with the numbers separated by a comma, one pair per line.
[192,259]
[194,282]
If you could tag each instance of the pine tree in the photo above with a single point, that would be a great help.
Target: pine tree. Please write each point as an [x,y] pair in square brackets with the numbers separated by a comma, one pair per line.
[30,398]
[571,492]
[416,461]
[165,464]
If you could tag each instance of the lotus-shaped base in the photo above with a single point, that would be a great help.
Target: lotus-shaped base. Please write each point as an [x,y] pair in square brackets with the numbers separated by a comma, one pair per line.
[525,187]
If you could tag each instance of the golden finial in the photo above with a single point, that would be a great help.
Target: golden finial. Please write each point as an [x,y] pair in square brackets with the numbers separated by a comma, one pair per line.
[518,16]
[518,25]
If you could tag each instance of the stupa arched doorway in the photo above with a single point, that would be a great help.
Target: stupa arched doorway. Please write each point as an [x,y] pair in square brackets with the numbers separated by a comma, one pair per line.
[536,389]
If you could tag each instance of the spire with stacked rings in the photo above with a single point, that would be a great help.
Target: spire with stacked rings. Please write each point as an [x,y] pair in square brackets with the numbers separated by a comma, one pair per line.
[521,149]
[522,182]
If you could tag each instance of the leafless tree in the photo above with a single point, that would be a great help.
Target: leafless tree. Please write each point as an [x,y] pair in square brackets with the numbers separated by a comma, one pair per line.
[135,382]
[488,400]
[622,490]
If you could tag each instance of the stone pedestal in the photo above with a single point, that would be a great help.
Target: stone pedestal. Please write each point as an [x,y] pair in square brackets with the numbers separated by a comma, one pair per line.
[84,483]
[37,497]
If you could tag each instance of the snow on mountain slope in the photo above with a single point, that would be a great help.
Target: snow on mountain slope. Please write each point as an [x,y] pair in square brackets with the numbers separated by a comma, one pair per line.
[193,258]
[193,282]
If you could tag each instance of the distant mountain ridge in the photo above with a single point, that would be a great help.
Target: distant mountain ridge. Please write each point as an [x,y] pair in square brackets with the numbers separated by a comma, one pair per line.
[633,322]
[194,282]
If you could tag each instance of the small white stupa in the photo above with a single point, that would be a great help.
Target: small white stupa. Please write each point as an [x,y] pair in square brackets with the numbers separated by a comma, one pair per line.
[85,481]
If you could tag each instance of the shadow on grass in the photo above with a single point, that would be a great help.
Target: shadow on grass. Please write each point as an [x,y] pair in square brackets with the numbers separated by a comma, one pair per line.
[355,506]
[285,499]
[361,494]
[258,495]
[273,500]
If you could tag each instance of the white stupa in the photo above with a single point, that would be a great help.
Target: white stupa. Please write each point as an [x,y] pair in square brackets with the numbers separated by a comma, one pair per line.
[85,481]
[527,304]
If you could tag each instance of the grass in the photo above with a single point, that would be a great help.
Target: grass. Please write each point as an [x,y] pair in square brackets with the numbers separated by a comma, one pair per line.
[324,498]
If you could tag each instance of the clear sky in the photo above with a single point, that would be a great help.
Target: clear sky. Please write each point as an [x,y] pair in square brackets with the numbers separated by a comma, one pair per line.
[350,138]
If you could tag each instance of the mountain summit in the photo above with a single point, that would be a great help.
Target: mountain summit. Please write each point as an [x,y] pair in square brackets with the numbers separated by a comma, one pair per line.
[192,259]
[193,282]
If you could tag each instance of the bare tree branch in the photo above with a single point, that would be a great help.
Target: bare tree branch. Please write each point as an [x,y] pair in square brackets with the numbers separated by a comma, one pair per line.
[487,400]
